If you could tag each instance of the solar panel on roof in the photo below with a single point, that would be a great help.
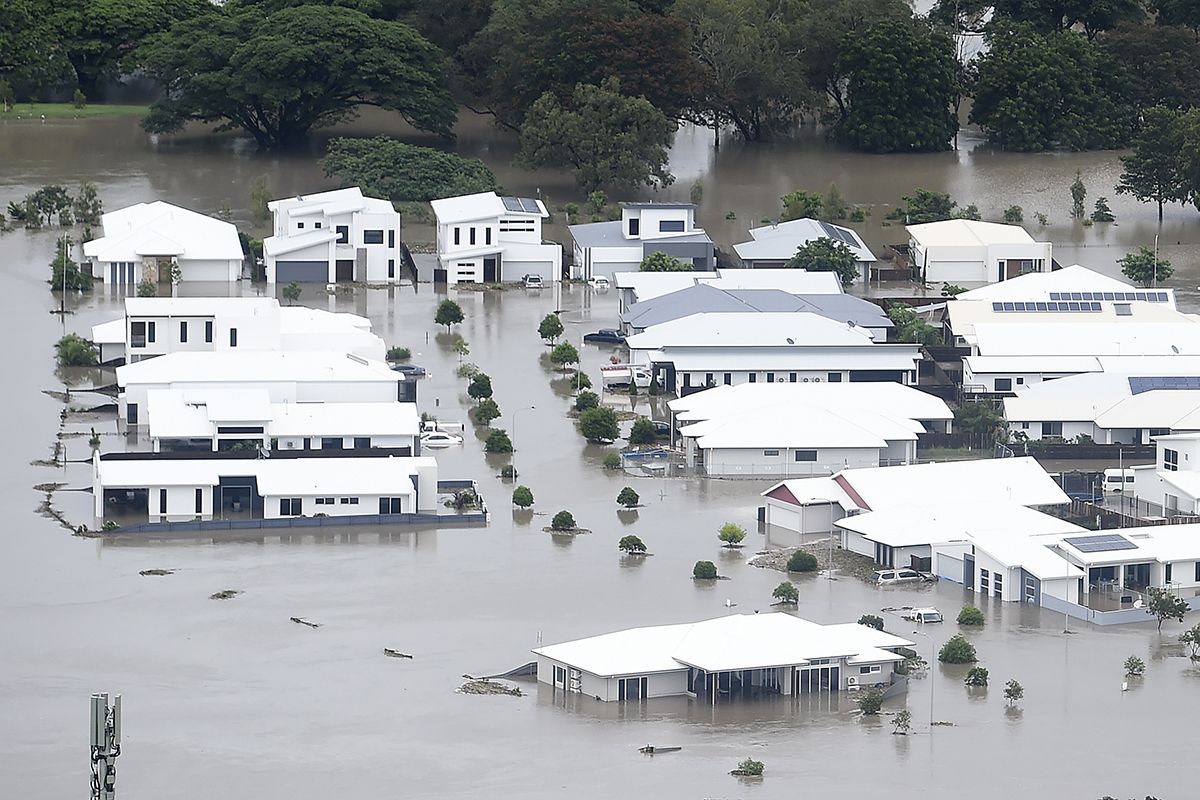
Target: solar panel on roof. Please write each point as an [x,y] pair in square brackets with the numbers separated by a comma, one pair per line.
[1027,306]
[512,203]
[834,232]
[1100,543]
[528,204]
[1140,384]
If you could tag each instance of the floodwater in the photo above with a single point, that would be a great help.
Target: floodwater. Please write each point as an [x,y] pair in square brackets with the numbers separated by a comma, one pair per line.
[232,697]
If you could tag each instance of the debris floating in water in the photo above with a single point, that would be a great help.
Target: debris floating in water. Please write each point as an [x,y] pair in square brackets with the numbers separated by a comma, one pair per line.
[392,653]
[485,686]
[225,594]
[651,750]
[157,572]
[303,621]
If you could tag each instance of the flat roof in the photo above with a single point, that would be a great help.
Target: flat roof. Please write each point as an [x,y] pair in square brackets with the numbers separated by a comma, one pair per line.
[953,521]
[612,234]
[199,306]
[334,201]
[656,204]
[891,357]
[250,366]
[744,398]
[1135,338]
[1109,400]
[111,332]
[753,329]
[300,476]
[803,426]
[485,205]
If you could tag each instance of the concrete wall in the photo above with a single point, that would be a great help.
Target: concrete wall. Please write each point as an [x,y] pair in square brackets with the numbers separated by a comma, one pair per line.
[181,503]
[213,271]
[660,684]
[815,518]
[755,461]
[367,504]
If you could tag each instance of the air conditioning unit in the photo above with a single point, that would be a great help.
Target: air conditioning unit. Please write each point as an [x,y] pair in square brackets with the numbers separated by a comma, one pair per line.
[816,380]
[804,380]
[291,445]
[851,680]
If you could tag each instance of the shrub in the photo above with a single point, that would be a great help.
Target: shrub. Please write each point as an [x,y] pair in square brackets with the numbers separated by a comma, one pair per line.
[786,592]
[79,99]
[957,650]
[448,313]
[585,400]
[146,288]
[550,328]
[387,167]
[467,370]
[870,702]
[291,292]
[522,497]
[628,497]
[976,676]
[1134,666]
[508,472]
[970,615]
[731,533]
[631,544]
[564,355]
[75,278]
[579,379]
[599,424]
[704,570]
[480,386]
[659,261]
[801,561]
[399,354]
[902,722]
[750,767]
[75,351]
[497,442]
[1013,691]
[612,461]
[1014,215]
[486,411]
[563,521]
[871,621]
[643,431]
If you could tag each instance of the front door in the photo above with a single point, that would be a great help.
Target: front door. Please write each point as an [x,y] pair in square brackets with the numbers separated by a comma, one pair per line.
[491,269]
[344,270]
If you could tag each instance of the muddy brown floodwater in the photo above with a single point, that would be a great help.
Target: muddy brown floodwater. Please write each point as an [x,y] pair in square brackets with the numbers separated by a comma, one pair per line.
[231,699]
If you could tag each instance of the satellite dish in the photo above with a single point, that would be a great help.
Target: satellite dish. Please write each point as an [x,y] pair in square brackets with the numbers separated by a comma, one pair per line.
[791,340]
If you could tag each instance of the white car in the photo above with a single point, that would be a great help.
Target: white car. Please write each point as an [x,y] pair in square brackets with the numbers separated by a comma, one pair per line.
[533,281]
[887,577]
[600,283]
[440,439]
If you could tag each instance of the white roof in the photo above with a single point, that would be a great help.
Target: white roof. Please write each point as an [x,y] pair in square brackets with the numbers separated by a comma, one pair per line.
[1034,555]
[346,419]
[792,281]
[756,329]
[251,366]
[302,319]
[785,359]
[953,521]
[1130,339]
[281,245]
[336,201]
[1162,543]
[648,285]
[894,398]
[811,492]
[111,332]
[162,229]
[484,205]
[1038,285]
[967,316]
[276,476]
[1107,399]
[779,242]
[797,425]
[200,306]
[738,641]
[967,233]
[996,480]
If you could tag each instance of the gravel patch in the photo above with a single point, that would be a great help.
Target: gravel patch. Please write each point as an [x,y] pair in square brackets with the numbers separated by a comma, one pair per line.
[844,562]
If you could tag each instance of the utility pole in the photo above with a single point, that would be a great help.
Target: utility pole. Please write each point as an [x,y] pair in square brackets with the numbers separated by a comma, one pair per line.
[106,745]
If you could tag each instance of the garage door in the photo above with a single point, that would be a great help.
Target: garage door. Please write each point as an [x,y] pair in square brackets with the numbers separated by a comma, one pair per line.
[516,270]
[301,272]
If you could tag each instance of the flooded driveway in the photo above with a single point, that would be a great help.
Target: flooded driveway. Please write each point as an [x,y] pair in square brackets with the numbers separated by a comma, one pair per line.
[232,696]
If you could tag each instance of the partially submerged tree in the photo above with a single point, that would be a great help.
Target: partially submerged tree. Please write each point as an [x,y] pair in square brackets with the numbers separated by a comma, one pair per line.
[522,497]
[976,676]
[448,313]
[480,387]
[632,545]
[291,292]
[927,206]
[957,650]
[1191,639]
[386,167]
[628,498]
[643,432]
[74,351]
[585,400]
[497,441]
[486,411]
[564,355]
[550,328]
[704,570]
[871,621]
[1152,172]
[1145,267]
[1135,667]
[970,615]
[1013,691]
[869,702]
[902,722]
[731,534]
[563,521]
[599,424]
[786,592]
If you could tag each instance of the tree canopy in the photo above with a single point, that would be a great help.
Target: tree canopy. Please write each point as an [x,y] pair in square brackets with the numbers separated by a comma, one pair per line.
[386,167]
[1145,267]
[279,75]
[658,261]
[826,255]
[1152,173]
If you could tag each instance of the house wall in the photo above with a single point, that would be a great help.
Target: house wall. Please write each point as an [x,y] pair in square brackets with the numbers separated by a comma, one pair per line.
[181,503]
[948,560]
[1011,577]
[1070,430]
[815,518]
[371,260]
[592,262]
[658,684]
[651,217]
[212,270]
[314,441]
[757,461]
[857,543]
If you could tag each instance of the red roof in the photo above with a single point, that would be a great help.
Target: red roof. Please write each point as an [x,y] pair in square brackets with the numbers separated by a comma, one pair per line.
[781,492]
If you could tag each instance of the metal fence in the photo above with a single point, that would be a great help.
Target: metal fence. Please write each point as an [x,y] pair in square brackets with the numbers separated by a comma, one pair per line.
[203,527]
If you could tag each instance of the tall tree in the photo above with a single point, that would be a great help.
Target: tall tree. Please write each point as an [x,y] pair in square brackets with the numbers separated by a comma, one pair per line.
[604,137]
[1055,16]
[826,255]
[280,75]
[901,86]
[1178,12]
[1152,172]
[1155,65]
[386,167]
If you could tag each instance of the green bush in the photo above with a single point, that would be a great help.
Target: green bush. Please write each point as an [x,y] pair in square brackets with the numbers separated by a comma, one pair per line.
[564,355]
[292,292]
[976,676]
[957,650]
[497,442]
[869,702]
[643,431]
[480,386]
[871,621]
[612,460]
[146,288]
[467,370]
[750,767]
[522,497]
[704,570]
[1135,666]
[631,544]
[76,279]
[75,351]
[580,380]
[731,533]
[970,615]
[563,521]
[550,328]
[585,400]
[628,497]
[1013,691]
[486,411]
[801,561]
[599,424]
[786,592]
[508,472]
[398,354]
[386,167]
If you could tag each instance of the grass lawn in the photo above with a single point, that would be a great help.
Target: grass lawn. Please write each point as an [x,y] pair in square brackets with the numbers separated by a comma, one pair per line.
[69,111]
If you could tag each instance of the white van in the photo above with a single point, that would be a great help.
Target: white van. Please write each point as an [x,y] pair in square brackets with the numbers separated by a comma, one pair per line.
[1116,480]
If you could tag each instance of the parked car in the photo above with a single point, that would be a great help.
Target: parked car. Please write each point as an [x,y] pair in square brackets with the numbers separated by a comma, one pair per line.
[411,370]
[600,283]
[1118,480]
[440,439]
[888,577]
[661,429]
[921,615]
[605,336]
[1087,497]
[533,281]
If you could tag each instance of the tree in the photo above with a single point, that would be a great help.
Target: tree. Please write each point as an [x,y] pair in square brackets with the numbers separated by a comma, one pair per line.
[1037,91]
[74,351]
[643,432]
[448,313]
[976,676]
[1013,691]
[612,461]
[871,621]
[480,386]
[522,497]
[1156,65]
[658,261]
[911,328]
[902,722]
[957,650]
[628,497]
[1135,667]
[1191,639]
[632,545]
[398,354]
[1078,195]
[87,205]
[704,571]
[786,592]
[970,212]
[869,702]
[970,615]
[280,74]
[75,278]
[604,137]
[550,328]
[826,255]
[486,411]
[386,167]
[1015,215]
[802,205]
[901,86]
[952,290]
[585,400]
[1062,15]
[750,768]
[291,292]
[579,379]
[497,442]
[564,355]
[927,206]
[1102,212]
[146,288]
[802,561]
[461,348]
[599,424]
[979,421]
[731,534]
[1152,172]
[1145,267]
[563,521]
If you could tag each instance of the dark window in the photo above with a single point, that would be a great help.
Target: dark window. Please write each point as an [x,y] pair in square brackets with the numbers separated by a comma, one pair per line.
[199,501]
[471,234]
[457,236]
[316,224]
[391,238]
[791,377]
[183,331]
[131,413]
[634,226]
[1020,381]
[391,267]
[806,455]
[708,379]
[687,380]
[343,234]
[1198,572]
[331,443]
[162,501]
[754,377]
[150,331]
[233,337]
[1003,384]
[770,453]
[240,429]
[290,507]
[670,226]
[487,235]
[770,377]
[353,501]
[728,378]
[137,334]
[389,505]
[1051,429]
[362,442]
[299,225]
[1171,460]
[373,237]
[834,377]
[1167,574]
[208,331]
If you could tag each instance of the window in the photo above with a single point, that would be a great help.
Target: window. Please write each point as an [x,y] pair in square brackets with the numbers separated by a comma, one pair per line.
[391,238]
[770,377]
[834,377]
[708,379]
[670,226]
[634,226]
[458,235]
[1198,572]
[233,337]
[362,442]
[290,507]
[869,670]
[1167,574]
[770,453]
[331,443]
[983,580]
[373,237]
[471,234]
[324,501]
[728,379]
[348,501]
[754,377]
[131,413]
[208,331]
[316,225]
[389,505]
[391,267]
[150,331]
[1024,426]
[487,235]
[629,689]
[1159,432]
[162,501]
[300,226]
[806,455]
[183,331]
[137,334]
[687,380]
[343,234]
[1170,460]
[199,501]
[1052,429]
[1020,381]
[1003,384]
[791,377]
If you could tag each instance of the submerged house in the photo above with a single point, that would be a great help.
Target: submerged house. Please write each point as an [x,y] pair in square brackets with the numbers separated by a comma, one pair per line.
[965,251]
[771,246]
[717,660]
[486,238]
[603,249]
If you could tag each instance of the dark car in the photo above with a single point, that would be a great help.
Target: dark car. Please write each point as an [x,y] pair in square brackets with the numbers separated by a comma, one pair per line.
[411,370]
[605,336]
[661,429]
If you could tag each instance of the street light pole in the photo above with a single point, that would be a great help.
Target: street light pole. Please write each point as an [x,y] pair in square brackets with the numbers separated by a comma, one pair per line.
[931,660]
[514,438]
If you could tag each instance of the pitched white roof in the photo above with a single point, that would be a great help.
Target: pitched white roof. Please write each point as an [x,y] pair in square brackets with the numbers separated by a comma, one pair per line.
[162,229]
[738,641]
[967,233]
[1136,338]
[792,281]
[798,425]
[254,367]
[111,332]
[1108,400]
[952,521]
[811,491]
[281,245]
[1162,543]
[200,306]
[1032,554]
[1038,285]
[756,329]
[484,205]
[894,398]
[786,359]
[336,201]
[780,241]
[994,480]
